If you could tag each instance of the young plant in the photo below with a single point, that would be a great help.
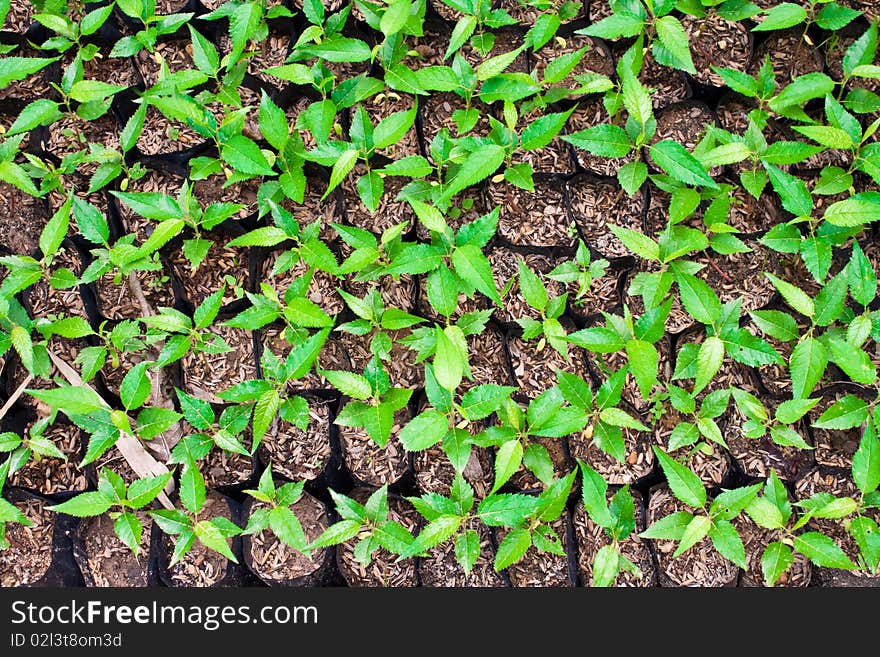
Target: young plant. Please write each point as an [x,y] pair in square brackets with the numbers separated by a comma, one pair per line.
[113,493]
[548,415]
[582,270]
[277,515]
[548,327]
[653,21]
[374,401]
[369,523]
[144,12]
[617,518]
[715,522]
[772,510]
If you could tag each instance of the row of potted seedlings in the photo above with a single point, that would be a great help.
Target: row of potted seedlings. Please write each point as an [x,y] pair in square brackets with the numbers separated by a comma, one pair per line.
[59,550]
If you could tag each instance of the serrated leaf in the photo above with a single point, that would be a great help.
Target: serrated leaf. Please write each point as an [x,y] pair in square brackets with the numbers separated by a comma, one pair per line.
[822,551]
[683,483]
[775,560]
[866,462]
[424,430]
[675,160]
[512,548]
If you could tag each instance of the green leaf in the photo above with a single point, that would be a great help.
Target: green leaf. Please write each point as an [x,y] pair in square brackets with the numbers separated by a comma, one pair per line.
[866,462]
[632,175]
[86,91]
[341,168]
[822,551]
[725,154]
[425,430]
[69,327]
[37,113]
[541,131]
[135,386]
[13,69]
[204,53]
[683,483]
[807,364]
[494,66]
[792,191]
[212,538]
[855,363]
[512,548]
[698,298]
[786,14]
[709,361]
[338,532]
[508,460]
[620,418]
[606,566]
[462,32]
[728,543]
[196,411]
[643,363]
[683,435]
[675,160]
[245,156]
[765,513]
[637,242]
[521,175]
[349,383]
[861,277]
[435,532]
[391,129]
[776,559]
[740,82]
[827,136]
[265,410]
[90,221]
[467,549]
[846,413]
[802,89]
[575,390]
[72,400]
[695,532]
[793,295]
[143,491]
[481,401]
[605,140]
[273,123]
[862,51]
[155,420]
[616,25]
[532,288]
[84,505]
[776,324]
[852,211]
[339,49]
[792,410]
[129,530]
[669,527]
[286,526]
[593,491]
[192,488]
[15,175]
[506,510]
[449,362]
[674,38]
[395,17]
[471,265]
[784,238]
[479,165]
[867,535]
